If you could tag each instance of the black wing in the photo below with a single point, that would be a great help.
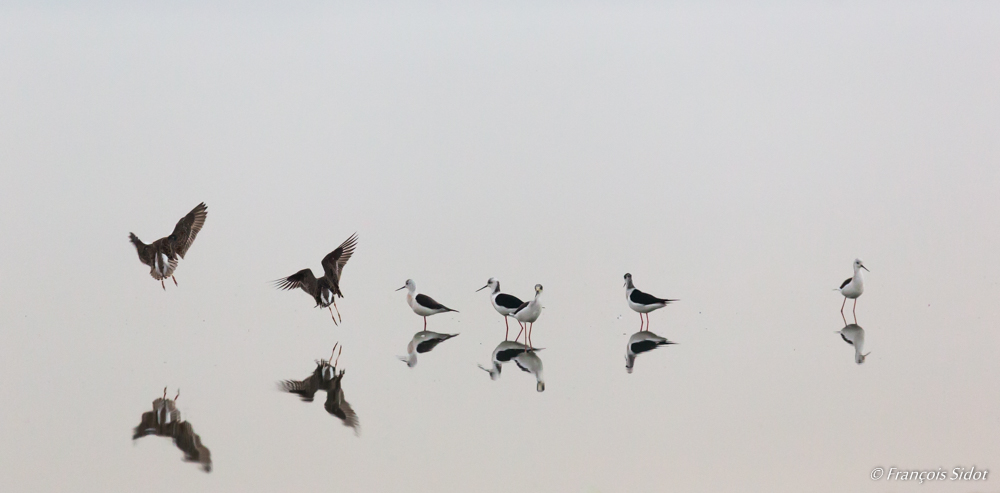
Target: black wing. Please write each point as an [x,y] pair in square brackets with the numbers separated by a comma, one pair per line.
[306,388]
[427,301]
[646,299]
[188,227]
[509,354]
[334,262]
[190,443]
[845,283]
[520,308]
[339,407]
[147,425]
[426,346]
[643,346]
[842,336]
[508,301]
[302,279]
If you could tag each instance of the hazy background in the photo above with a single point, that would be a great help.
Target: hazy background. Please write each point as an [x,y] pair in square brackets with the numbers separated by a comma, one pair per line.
[738,158]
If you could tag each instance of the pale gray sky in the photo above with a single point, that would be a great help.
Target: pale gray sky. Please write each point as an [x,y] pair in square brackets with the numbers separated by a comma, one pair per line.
[736,157]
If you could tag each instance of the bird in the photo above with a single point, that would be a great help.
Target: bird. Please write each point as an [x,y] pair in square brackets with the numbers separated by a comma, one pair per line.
[503,303]
[852,287]
[325,289]
[422,304]
[422,342]
[165,421]
[641,342]
[527,313]
[161,255]
[504,352]
[854,335]
[326,377]
[530,362]
[642,302]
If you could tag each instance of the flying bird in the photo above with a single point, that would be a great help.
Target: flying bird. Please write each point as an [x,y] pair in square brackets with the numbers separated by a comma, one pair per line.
[641,342]
[642,302]
[422,342]
[853,287]
[161,255]
[421,304]
[325,289]
[325,377]
[503,303]
[165,421]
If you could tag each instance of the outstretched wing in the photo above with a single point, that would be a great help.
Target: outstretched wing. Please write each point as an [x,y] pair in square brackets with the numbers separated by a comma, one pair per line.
[306,388]
[190,443]
[302,279]
[188,227]
[147,425]
[334,262]
[339,407]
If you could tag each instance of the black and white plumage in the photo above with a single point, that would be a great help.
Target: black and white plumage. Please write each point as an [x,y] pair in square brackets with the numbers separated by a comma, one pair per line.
[642,342]
[528,313]
[503,303]
[854,335]
[161,255]
[324,289]
[642,302]
[165,421]
[529,362]
[853,287]
[326,377]
[422,342]
[504,352]
[421,304]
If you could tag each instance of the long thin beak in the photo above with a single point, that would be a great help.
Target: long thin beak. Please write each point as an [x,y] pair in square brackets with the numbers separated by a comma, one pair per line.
[404,287]
[865,268]
[626,284]
[482,288]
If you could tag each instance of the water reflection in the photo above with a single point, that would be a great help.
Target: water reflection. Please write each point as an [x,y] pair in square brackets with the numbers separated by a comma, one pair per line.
[854,335]
[530,362]
[504,352]
[165,421]
[639,343]
[422,342]
[326,377]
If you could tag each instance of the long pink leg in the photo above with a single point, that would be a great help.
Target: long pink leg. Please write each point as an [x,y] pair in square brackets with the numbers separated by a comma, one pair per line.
[855,310]
[331,315]
[425,323]
[178,395]
[842,305]
[338,356]
[519,333]
[338,310]
[647,322]
[162,284]
[640,322]
[175,280]
[527,335]
[506,334]
[165,392]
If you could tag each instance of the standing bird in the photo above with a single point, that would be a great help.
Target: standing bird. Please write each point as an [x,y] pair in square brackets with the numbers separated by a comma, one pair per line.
[325,377]
[639,343]
[421,304]
[422,342]
[325,289]
[530,362]
[854,335]
[165,421]
[161,255]
[504,352]
[527,313]
[503,303]
[642,302]
[853,287]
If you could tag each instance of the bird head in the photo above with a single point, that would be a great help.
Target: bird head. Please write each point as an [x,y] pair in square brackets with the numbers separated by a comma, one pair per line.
[860,358]
[410,285]
[491,283]
[858,264]
[629,362]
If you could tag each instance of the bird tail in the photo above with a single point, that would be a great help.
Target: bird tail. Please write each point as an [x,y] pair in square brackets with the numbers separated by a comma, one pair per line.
[135,240]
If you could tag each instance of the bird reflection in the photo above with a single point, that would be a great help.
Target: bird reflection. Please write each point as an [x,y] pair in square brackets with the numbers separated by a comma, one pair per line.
[165,421]
[422,342]
[531,363]
[854,335]
[504,352]
[641,342]
[325,377]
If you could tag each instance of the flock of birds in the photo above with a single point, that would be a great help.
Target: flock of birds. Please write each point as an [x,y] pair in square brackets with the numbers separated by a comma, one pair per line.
[162,257]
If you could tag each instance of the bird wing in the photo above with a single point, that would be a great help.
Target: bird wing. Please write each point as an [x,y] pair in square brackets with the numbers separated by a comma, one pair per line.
[429,344]
[305,388]
[145,253]
[334,262]
[190,443]
[147,425]
[429,302]
[336,405]
[188,227]
[523,305]
[646,299]
[509,354]
[842,336]
[643,346]
[508,301]
[302,279]
[846,282]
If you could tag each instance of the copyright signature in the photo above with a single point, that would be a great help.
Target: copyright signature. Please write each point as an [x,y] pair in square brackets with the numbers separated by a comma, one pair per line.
[939,474]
